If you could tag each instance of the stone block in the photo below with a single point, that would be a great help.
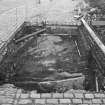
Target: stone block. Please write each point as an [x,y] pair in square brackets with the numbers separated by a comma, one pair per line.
[77,101]
[78,95]
[99,95]
[52,101]
[34,95]
[97,101]
[24,101]
[5,100]
[24,95]
[68,95]
[46,95]
[89,95]
[87,101]
[64,101]
[57,95]
[40,101]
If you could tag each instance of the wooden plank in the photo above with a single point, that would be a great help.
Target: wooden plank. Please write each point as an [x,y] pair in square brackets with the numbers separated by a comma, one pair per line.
[94,36]
[29,35]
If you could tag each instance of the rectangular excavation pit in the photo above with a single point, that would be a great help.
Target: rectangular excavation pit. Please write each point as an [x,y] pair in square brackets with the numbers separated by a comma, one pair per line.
[54,60]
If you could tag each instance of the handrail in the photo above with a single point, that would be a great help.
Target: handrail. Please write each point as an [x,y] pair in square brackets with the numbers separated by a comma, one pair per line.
[94,36]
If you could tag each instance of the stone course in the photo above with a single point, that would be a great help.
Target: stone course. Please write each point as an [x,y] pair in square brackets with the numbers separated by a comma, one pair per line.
[14,96]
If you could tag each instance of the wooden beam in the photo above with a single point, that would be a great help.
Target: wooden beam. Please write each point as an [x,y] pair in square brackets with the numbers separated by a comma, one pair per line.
[94,36]
[30,35]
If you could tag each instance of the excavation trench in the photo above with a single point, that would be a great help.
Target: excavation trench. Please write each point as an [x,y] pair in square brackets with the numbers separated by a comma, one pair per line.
[54,60]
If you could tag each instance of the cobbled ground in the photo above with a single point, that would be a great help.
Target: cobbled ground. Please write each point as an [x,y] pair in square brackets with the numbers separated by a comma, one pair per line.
[10,95]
